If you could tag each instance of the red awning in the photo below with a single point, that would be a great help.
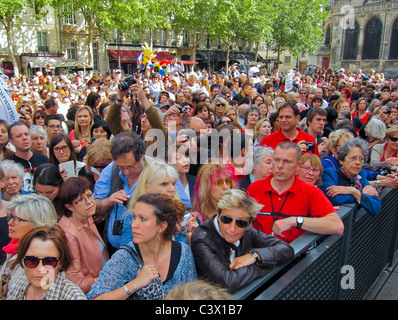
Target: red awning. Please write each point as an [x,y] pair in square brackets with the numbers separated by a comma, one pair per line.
[163,55]
[189,62]
[126,56]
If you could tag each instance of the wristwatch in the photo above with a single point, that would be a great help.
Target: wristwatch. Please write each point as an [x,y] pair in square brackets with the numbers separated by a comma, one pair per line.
[299,221]
[254,254]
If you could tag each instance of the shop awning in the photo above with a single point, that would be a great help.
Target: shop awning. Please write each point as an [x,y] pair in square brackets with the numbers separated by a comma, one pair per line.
[189,62]
[36,62]
[163,55]
[126,56]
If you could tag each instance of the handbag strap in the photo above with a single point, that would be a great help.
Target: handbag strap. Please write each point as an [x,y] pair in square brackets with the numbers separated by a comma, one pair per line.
[133,254]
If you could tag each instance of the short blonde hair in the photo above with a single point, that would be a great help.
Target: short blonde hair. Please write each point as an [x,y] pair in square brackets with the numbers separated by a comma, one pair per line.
[238,199]
[335,136]
[100,149]
[198,290]
[158,171]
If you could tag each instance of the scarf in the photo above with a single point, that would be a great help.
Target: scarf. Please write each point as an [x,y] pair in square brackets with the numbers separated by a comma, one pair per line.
[11,248]
[354,181]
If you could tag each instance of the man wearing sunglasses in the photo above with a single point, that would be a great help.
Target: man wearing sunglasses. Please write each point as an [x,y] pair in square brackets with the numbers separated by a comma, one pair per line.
[228,251]
[292,206]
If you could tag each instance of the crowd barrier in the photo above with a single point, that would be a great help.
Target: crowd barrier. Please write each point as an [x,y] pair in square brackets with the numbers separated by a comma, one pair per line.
[341,267]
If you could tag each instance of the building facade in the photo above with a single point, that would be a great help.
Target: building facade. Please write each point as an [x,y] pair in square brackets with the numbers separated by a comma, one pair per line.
[361,34]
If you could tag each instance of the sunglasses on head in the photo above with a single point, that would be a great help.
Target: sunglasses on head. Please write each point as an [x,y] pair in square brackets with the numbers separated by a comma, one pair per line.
[394,139]
[48,262]
[221,182]
[239,222]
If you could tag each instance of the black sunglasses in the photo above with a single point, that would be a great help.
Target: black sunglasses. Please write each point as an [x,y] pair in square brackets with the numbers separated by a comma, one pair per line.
[239,222]
[48,262]
[100,167]
[394,139]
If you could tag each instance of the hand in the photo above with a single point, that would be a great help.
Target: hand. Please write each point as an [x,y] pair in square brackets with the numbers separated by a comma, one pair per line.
[370,191]
[77,147]
[391,180]
[333,191]
[302,146]
[64,174]
[118,198]
[282,225]
[322,147]
[145,276]
[242,261]
[172,110]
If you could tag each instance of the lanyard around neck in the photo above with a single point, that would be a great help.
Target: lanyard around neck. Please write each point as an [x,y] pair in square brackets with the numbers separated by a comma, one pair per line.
[276,214]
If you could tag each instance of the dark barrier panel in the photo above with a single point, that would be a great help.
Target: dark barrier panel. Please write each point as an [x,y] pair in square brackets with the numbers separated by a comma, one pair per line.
[341,266]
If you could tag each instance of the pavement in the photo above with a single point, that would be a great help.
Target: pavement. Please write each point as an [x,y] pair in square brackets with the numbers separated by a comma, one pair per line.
[389,291]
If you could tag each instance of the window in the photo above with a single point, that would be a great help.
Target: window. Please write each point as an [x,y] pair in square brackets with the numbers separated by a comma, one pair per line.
[71,50]
[287,59]
[70,17]
[185,39]
[162,37]
[95,55]
[173,38]
[372,42]
[42,42]
[393,55]
[351,43]
[327,36]
[135,37]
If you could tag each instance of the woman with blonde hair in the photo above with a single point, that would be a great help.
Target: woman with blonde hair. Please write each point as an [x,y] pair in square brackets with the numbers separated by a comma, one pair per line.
[84,120]
[232,114]
[218,106]
[157,177]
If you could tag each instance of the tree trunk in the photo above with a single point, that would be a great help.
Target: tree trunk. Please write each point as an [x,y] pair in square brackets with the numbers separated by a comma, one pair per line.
[227,61]
[11,51]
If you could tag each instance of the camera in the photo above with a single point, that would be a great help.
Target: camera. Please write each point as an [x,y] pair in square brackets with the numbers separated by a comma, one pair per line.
[118,227]
[310,146]
[127,83]
[182,109]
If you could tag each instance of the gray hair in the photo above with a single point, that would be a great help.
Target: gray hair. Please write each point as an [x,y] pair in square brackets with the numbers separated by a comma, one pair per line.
[38,130]
[33,207]
[9,166]
[259,152]
[236,198]
[349,144]
[376,128]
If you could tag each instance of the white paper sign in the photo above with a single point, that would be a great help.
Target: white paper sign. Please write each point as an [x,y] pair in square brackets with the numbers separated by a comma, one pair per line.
[289,81]
[8,112]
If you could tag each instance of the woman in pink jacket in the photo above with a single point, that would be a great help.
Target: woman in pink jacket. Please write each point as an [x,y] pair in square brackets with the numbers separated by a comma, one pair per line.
[87,246]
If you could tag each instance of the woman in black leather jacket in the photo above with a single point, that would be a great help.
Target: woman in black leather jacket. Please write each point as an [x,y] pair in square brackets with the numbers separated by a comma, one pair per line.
[229,251]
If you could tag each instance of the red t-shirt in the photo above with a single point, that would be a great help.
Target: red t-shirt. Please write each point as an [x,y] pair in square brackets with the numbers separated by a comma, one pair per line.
[303,199]
[277,137]
[384,151]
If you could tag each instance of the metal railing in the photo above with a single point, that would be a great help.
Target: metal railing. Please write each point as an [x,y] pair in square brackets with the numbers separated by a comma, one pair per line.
[340,267]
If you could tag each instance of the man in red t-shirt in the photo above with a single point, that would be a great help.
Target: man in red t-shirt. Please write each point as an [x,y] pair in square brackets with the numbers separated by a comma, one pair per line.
[290,205]
[289,117]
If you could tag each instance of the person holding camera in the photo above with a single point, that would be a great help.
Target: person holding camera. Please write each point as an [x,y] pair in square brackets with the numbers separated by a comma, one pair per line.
[289,117]
[144,116]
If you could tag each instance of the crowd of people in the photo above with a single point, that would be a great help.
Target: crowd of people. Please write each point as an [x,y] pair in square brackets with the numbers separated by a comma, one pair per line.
[131,187]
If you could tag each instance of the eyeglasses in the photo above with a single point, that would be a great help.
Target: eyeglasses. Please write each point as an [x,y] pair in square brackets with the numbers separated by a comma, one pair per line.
[239,222]
[48,262]
[15,220]
[59,149]
[84,199]
[55,127]
[39,117]
[308,169]
[227,181]
[354,158]
[393,139]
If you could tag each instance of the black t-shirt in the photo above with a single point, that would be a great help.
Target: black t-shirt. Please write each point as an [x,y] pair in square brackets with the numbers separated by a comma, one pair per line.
[4,238]
[29,167]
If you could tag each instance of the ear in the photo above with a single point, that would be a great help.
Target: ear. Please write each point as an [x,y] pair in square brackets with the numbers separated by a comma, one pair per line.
[68,206]
[163,226]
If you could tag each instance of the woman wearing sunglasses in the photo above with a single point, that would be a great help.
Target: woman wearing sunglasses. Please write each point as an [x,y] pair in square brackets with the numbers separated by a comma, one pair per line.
[87,247]
[44,254]
[387,152]
[24,213]
[228,251]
